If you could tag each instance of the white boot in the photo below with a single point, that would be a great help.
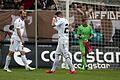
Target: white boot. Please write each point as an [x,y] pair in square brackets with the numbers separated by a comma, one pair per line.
[29,68]
[7,69]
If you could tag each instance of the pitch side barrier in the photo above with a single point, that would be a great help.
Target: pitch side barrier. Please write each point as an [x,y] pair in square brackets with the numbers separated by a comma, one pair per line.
[99,59]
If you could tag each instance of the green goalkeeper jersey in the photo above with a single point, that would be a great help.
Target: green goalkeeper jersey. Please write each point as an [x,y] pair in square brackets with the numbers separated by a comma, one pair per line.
[84,32]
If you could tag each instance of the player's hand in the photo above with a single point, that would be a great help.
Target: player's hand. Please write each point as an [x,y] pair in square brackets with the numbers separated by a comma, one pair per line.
[75,6]
[53,22]
[81,36]
[89,40]
[70,28]
[54,18]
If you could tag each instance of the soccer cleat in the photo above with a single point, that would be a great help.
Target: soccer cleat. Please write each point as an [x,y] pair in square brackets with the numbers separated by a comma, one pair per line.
[30,68]
[7,69]
[72,71]
[50,72]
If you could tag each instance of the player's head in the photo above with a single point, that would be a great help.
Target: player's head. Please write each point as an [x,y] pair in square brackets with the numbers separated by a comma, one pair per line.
[59,14]
[23,14]
[84,8]
[84,21]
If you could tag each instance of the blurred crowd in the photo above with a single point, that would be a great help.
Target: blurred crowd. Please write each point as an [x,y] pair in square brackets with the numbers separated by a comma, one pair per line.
[46,4]
[28,4]
[16,4]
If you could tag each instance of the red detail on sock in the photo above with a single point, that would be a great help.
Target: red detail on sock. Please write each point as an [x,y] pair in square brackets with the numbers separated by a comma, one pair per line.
[88,46]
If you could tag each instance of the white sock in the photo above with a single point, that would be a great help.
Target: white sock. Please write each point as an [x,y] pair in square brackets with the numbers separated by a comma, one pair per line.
[55,65]
[24,59]
[8,59]
[68,61]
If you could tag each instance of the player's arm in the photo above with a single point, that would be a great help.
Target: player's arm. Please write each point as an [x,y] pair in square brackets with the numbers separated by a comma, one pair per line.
[54,21]
[89,11]
[19,35]
[91,36]
[92,33]
[17,27]
[78,32]
[78,9]
[70,28]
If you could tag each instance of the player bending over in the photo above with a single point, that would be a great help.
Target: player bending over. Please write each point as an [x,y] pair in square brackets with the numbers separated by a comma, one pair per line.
[17,42]
[61,25]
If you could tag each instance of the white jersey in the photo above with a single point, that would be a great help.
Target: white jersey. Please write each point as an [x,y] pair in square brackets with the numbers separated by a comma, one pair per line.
[20,24]
[62,28]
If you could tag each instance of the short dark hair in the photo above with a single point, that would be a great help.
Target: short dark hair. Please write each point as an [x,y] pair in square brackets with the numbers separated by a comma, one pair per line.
[84,20]
[58,13]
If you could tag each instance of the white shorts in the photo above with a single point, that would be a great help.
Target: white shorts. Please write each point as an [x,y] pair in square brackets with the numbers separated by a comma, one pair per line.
[62,47]
[15,45]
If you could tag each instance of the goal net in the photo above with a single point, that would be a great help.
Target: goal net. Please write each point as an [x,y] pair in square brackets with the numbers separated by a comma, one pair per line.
[104,17]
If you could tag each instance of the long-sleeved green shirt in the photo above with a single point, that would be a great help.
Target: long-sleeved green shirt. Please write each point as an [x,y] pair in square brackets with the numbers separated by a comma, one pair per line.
[84,32]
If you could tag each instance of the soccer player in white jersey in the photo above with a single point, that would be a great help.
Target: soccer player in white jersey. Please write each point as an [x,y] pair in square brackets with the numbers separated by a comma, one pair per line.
[62,26]
[17,42]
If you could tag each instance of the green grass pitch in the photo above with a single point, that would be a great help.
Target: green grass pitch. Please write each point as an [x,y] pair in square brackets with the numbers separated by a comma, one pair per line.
[40,74]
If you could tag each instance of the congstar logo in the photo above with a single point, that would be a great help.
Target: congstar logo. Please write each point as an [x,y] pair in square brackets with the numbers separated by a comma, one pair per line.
[102,59]
[18,59]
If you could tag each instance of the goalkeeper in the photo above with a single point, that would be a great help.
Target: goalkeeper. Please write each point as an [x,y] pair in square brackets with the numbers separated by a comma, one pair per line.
[84,33]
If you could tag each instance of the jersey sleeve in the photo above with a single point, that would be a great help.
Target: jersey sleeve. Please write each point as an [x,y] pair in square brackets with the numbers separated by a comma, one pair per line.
[16,24]
[91,30]
[59,22]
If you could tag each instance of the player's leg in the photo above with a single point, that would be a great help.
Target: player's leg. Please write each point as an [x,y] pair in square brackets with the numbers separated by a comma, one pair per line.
[55,64]
[24,59]
[67,57]
[86,51]
[10,54]
[84,60]
[23,56]
[82,49]
[56,61]
[65,65]
[68,60]
[7,62]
